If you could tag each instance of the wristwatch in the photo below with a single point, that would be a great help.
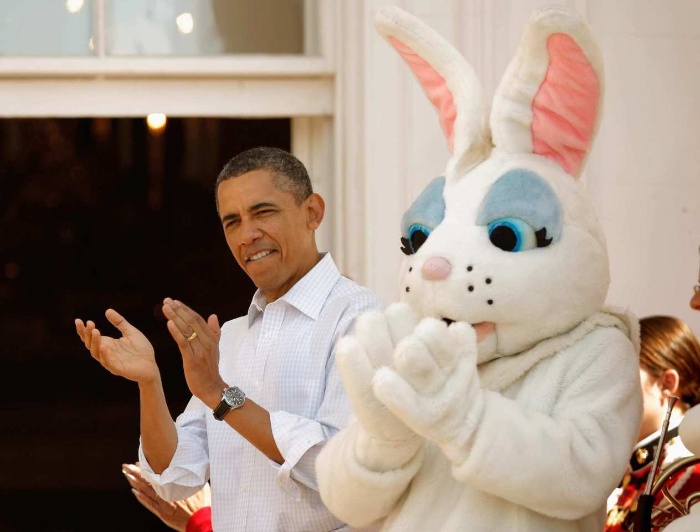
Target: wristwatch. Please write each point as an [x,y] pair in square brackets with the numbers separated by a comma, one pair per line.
[231,398]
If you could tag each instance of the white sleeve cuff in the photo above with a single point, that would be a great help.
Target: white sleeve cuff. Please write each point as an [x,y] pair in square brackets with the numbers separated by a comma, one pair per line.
[294,436]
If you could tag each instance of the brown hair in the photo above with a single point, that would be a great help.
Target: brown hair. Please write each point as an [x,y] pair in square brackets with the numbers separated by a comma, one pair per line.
[668,343]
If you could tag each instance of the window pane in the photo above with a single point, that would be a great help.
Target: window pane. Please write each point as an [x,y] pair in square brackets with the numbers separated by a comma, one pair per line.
[210,27]
[46,28]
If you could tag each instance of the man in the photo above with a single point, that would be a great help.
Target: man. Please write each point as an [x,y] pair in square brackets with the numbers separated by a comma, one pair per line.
[269,377]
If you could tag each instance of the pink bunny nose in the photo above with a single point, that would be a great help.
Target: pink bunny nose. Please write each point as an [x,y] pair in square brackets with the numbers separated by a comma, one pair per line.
[436,268]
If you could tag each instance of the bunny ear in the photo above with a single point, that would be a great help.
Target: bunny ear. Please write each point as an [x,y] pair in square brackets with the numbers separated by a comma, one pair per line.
[549,100]
[447,79]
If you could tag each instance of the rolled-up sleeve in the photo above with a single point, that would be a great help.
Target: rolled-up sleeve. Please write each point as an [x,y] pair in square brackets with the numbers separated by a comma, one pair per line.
[300,439]
[189,469]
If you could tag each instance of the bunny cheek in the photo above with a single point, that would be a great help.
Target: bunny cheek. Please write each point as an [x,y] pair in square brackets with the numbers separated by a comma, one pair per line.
[486,334]
[430,283]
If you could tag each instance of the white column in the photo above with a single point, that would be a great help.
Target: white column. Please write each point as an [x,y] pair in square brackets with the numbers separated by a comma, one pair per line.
[312,144]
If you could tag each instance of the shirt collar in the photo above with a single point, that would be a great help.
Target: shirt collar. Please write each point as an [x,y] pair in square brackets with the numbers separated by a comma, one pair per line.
[308,295]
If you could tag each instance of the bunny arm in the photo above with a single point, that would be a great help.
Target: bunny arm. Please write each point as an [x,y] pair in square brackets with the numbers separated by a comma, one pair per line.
[357,494]
[577,434]
[377,448]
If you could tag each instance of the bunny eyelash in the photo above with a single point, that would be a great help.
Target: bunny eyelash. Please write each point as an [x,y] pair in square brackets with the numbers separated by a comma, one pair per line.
[424,215]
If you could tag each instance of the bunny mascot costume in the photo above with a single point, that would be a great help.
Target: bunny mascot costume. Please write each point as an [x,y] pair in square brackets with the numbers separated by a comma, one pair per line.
[499,394]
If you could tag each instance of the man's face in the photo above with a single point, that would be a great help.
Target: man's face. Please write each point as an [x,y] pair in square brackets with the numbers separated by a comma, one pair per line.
[695,300]
[271,237]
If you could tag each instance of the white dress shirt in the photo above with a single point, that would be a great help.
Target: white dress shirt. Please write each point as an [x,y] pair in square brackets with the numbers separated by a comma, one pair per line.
[282,356]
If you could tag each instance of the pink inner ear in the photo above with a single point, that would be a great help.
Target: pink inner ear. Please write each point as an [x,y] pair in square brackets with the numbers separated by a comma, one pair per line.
[564,108]
[434,86]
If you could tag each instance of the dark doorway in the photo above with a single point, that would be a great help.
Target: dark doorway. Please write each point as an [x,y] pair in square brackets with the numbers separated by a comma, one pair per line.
[99,213]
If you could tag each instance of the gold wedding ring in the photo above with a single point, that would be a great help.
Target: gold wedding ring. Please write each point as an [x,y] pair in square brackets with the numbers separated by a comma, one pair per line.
[192,336]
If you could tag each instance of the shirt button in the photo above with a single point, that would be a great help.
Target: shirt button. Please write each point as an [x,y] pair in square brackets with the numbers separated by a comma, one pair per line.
[256,384]
[268,336]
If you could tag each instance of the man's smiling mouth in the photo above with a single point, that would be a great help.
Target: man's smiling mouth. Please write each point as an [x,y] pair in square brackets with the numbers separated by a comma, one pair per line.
[259,255]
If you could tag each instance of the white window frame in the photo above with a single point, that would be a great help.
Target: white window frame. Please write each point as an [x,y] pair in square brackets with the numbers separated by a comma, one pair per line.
[235,85]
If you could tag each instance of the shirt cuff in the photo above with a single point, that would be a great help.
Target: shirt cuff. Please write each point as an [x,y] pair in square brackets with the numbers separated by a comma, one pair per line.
[175,477]
[294,436]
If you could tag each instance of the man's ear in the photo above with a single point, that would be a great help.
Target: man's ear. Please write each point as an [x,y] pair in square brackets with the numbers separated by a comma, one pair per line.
[315,210]
[695,301]
[669,382]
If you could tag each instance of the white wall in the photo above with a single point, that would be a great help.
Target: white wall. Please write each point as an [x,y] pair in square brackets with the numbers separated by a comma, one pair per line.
[643,172]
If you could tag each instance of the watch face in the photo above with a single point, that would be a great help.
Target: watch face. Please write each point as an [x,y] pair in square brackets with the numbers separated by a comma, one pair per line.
[234,396]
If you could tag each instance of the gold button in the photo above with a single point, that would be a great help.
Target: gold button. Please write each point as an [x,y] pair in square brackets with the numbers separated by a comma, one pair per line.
[641,455]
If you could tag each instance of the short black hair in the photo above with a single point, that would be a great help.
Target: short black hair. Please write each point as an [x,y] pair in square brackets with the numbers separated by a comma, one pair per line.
[289,173]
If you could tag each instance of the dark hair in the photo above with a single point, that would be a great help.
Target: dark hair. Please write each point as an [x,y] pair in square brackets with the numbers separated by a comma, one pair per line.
[289,173]
[668,343]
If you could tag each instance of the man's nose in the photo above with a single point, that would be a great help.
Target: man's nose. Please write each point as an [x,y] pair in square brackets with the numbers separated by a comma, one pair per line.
[250,232]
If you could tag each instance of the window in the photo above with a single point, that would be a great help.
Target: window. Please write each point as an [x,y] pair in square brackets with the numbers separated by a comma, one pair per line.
[158,27]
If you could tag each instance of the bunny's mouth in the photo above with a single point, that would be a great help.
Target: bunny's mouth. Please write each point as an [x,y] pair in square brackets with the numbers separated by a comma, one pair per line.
[483,329]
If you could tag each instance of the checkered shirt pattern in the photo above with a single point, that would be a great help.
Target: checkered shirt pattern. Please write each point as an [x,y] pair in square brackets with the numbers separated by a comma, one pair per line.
[282,356]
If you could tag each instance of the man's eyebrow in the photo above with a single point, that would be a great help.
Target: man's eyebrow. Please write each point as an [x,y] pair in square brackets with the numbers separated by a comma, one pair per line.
[229,217]
[235,217]
[261,205]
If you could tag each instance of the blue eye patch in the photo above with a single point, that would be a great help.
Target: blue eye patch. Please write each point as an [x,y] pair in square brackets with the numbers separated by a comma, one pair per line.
[424,215]
[522,194]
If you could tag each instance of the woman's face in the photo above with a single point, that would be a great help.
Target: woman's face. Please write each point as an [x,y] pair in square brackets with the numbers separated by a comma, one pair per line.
[654,405]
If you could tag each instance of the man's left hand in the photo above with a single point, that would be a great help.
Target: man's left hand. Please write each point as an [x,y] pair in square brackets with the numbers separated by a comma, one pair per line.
[198,341]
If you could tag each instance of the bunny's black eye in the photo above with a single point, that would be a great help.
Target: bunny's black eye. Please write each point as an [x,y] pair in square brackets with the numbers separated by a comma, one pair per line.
[512,234]
[504,237]
[417,235]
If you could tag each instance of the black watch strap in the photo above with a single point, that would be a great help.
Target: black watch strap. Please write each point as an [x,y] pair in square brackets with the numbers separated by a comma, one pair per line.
[231,398]
[221,410]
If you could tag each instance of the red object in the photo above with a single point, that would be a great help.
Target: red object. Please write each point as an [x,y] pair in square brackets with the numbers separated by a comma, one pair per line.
[200,521]
[687,481]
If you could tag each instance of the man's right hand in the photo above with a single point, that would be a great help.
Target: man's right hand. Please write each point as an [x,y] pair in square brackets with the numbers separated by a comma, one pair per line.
[131,356]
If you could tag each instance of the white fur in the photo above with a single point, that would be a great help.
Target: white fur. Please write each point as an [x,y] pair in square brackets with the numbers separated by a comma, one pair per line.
[539,449]
[511,114]
[554,287]
[469,128]
[532,428]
